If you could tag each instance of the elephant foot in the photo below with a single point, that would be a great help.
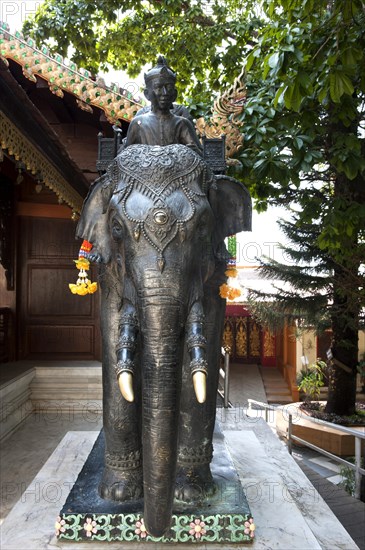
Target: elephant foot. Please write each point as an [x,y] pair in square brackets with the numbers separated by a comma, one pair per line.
[120,485]
[195,484]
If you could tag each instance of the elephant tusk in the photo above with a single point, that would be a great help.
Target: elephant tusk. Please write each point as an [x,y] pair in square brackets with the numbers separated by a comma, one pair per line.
[200,386]
[125,381]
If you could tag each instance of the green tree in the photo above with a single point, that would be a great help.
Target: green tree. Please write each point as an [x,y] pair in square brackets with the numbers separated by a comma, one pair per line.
[303,122]
[305,285]
[302,284]
[204,40]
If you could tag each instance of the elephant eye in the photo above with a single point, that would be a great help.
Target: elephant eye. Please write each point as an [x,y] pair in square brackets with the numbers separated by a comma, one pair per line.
[117,230]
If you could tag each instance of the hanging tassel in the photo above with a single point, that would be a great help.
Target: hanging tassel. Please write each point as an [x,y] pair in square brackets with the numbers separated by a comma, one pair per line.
[85,250]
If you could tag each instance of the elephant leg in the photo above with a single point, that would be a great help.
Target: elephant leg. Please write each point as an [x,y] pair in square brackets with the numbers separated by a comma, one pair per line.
[194,482]
[122,475]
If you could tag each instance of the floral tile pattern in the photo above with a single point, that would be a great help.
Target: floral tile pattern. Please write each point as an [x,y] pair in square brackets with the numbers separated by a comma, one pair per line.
[236,528]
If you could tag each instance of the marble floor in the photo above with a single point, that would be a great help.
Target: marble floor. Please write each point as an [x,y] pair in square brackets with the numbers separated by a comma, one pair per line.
[25,452]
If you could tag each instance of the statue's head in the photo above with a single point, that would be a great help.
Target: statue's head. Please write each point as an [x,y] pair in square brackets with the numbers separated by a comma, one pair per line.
[161,69]
[160,85]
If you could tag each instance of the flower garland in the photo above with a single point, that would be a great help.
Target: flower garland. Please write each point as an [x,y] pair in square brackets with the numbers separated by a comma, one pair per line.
[231,291]
[83,285]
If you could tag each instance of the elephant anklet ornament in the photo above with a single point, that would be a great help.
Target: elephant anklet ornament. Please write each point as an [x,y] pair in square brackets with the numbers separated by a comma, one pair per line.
[158,226]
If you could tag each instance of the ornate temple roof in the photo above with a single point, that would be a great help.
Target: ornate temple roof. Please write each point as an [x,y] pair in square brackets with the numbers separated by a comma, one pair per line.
[117,103]
[64,76]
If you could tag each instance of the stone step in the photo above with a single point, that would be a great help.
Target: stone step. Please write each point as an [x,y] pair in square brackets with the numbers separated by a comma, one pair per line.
[276,388]
[279,399]
[62,389]
[275,382]
[16,404]
[281,390]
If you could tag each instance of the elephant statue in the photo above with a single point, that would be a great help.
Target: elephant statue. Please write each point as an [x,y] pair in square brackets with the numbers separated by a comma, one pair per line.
[158,222]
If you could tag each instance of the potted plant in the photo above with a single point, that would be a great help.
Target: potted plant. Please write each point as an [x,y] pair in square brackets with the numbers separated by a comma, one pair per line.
[310,380]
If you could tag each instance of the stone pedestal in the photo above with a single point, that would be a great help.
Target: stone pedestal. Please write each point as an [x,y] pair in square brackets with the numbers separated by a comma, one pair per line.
[225,517]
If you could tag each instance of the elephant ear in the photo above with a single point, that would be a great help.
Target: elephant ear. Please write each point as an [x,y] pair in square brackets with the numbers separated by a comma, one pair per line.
[93,223]
[232,206]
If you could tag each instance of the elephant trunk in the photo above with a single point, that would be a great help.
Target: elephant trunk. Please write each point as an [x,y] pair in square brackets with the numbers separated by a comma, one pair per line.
[162,337]
[161,378]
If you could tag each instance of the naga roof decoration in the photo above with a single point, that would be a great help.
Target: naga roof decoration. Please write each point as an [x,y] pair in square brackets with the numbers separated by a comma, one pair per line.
[225,118]
[64,76]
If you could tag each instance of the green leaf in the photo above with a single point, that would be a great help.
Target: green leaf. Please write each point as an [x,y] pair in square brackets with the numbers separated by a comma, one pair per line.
[293,97]
[347,85]
[298,142]
[339,85]
[336,87]
[249,61]
[278,95]
[274,60]
[323,93]
[350,169]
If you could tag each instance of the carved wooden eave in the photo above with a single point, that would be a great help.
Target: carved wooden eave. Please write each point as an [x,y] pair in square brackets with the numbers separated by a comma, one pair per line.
[18,146]
[63,76]
[26,136]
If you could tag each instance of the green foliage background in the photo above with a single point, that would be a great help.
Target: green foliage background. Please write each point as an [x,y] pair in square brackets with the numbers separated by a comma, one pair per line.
[303,121]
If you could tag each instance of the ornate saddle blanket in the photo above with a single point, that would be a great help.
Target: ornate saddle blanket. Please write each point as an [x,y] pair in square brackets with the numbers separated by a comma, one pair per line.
[156,167]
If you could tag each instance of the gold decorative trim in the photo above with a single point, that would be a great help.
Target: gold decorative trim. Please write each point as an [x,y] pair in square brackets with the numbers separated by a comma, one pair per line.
[224,120]
[241,336]
[18,146]
[254,339]
[65,76]
[269,344]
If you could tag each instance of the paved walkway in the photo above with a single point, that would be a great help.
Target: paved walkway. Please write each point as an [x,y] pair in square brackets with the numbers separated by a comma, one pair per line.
[349,511]
[323,473]
[245,383]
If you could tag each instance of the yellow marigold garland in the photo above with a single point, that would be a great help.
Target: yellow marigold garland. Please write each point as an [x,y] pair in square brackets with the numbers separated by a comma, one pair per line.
[231,272]
[83,284]
[229,292]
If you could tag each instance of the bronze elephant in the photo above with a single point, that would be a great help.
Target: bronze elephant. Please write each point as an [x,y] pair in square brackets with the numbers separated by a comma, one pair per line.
[158,221]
